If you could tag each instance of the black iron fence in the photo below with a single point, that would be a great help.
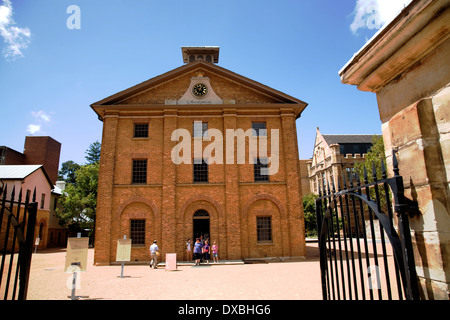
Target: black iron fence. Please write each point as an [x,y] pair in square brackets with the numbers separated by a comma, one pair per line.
[365,240]
[17,225]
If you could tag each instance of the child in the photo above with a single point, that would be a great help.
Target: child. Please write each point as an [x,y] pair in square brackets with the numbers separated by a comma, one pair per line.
[188,250]
[215,249]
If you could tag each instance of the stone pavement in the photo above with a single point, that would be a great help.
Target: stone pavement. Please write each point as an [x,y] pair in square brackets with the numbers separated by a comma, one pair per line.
[260,281]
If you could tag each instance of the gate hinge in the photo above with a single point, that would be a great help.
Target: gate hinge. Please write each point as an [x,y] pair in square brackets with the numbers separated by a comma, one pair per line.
[410,207]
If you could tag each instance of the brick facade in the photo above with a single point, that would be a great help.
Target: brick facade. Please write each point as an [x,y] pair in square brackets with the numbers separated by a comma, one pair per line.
[169,198]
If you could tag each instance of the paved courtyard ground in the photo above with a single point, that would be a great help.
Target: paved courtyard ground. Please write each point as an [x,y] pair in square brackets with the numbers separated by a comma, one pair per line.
[269,281]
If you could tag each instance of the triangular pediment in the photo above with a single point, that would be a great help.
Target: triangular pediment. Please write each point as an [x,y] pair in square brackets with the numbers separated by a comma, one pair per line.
[228,87]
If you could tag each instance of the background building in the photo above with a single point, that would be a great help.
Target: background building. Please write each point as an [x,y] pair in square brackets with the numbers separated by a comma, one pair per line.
[36,167]
[144,195]
[335,155]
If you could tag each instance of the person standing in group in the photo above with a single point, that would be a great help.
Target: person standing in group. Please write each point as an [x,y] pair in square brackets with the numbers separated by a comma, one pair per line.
[205,251]
[154,252]
[215,251]
[197,251]
[188,250]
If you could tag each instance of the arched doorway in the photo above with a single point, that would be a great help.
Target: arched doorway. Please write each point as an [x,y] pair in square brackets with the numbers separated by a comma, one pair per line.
[201,224]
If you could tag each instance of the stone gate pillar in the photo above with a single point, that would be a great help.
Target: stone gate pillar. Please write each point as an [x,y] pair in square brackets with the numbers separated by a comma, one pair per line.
[408,66]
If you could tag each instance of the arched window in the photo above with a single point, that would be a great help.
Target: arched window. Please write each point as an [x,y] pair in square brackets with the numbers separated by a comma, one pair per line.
[41,229]
[191,58]
[201,213]
[208,59]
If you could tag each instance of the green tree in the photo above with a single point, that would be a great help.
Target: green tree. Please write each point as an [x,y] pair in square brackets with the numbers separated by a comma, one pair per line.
[309,211]
[68,171]
[374,156]
[93,153]
[79,200]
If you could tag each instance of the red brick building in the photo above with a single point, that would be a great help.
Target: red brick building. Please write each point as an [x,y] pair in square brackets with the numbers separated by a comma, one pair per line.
[149,189]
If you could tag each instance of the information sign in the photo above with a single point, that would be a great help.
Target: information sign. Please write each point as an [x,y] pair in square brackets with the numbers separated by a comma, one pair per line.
[76,255]
[123,250]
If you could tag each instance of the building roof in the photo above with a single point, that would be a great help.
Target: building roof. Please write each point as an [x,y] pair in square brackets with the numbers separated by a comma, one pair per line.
[114,102]
[415,32]
[347,138]
[20,172]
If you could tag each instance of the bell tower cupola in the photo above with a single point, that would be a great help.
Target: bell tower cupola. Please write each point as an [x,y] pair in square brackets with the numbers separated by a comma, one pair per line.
[208,54]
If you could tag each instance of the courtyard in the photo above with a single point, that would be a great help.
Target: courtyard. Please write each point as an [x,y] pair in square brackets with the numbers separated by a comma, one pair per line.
[256,281]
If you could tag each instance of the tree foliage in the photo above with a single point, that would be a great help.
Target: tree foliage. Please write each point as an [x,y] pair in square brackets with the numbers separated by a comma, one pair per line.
[79,200]
[309,211]
[93,153]
[68,171]
[372,158]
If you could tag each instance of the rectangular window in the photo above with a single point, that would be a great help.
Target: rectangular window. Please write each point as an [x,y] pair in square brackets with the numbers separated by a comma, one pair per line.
[264,229]
[261,170]
[200,128]
[42,200]
[139,171]
[260,128]
[141,130]
[200,171]
[350,172]
[137,232]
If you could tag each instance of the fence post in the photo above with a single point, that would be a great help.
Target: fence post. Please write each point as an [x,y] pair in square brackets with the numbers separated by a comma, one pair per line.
[26,252]
[318,203]
[401,209]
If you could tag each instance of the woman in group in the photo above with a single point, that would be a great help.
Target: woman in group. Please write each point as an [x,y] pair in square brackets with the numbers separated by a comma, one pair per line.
[197,251]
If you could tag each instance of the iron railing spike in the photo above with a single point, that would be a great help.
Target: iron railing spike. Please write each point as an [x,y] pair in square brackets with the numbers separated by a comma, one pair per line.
[374,172]
[333,186]
[366,180]
[351,180]
[358,178]
[13,193]
[5,192]
[395,163]
[383,169]
[344,181]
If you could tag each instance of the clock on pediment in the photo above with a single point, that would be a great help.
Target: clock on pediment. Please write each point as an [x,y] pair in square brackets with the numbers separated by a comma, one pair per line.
[200,91]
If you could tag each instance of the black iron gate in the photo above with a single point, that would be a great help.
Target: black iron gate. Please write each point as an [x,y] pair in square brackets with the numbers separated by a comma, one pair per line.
[355,224]
[17,223]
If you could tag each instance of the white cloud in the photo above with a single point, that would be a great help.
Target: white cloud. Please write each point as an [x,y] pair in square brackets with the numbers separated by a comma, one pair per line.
[40,118]
[374,14]
[41,115]
[16,39]
[33,128]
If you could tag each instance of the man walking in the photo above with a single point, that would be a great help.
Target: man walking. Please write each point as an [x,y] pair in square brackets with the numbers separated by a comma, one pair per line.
[154,255]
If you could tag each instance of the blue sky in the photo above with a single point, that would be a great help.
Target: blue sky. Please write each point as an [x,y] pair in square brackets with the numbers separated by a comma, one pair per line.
[50,74]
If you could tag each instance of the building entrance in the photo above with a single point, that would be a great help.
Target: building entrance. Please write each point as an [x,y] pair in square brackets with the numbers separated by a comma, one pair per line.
[201,224]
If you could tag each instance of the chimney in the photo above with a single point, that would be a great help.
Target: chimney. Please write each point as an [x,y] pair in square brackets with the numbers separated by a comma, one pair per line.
[45,151]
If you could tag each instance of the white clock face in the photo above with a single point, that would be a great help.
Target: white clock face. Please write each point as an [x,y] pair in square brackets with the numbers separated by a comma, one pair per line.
[199,90]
